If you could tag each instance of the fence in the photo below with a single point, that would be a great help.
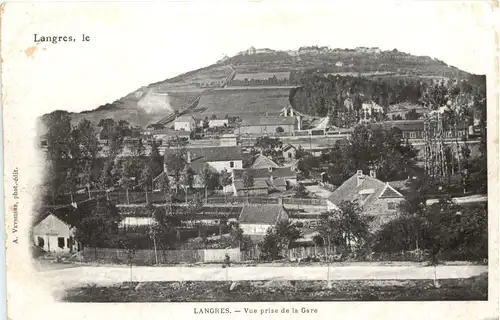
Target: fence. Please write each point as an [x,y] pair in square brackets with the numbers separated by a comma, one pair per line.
[148,257]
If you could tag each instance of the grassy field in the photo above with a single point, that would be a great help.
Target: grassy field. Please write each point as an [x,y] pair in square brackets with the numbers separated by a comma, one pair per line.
[243,102]
[262,75]
[203,78]
[475,288]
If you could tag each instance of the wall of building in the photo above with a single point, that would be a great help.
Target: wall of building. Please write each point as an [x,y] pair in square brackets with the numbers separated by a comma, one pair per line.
[261,129]
[221,165]
[50,230]
[380,206]
[217,123]
[254,229]
[186,126]
[251,192]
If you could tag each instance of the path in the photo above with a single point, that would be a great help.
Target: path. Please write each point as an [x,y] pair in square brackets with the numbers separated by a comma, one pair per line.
[319,191]
[109,275]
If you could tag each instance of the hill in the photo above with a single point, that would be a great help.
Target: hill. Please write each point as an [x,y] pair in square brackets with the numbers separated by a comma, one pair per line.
[264,67]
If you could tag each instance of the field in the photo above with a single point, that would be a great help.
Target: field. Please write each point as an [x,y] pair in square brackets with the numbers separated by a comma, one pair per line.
[475,288]
[262,75]
[243,102]
[205,78]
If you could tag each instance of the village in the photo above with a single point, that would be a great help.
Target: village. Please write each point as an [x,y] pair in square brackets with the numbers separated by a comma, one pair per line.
[360,183]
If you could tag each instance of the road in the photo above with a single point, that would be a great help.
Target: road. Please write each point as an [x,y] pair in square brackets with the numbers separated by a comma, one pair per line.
[109,275]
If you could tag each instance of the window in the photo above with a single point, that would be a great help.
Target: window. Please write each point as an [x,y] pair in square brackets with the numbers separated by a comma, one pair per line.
[60,242]
[231,164]
[289,155]
[449,134]
[413,135]
[461,133]
[391,206]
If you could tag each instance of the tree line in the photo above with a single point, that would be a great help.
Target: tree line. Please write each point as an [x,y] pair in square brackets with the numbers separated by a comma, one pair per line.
[342,97]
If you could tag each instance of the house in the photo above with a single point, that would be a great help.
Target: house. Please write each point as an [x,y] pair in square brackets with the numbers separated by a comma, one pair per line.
[377,199]
[256,219]
[214,123]
[55,234]
[267,125]
[228,140]
[265,180]
[289,152]
[261,162]
[185,123]
[217,158]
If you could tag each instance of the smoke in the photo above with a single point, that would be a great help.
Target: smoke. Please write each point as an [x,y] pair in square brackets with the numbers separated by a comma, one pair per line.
[153,102]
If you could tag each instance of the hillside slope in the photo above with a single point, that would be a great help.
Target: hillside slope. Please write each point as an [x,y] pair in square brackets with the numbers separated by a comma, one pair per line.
[263,67]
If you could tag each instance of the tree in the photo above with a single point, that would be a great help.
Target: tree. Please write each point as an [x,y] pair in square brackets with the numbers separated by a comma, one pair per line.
[187,179]
[163,183]
[97,224]
[345,226]
[225,179]
[205,176]
[300,153]
[280,130]
[412,115]
[301,191]
[175,165]
[127,179]
[278,238]
[270,147]
[61,150]
[248,181]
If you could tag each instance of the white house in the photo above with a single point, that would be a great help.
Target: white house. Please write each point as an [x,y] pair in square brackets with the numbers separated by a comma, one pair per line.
[185,123]
[217,158]
[289,152]
[53,234]
[257,219]
[213,123]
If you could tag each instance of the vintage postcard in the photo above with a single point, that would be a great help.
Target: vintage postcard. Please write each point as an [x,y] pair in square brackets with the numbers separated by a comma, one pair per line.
[252,159]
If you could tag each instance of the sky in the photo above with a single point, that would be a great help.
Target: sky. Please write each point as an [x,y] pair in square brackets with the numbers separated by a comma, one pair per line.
[134,44]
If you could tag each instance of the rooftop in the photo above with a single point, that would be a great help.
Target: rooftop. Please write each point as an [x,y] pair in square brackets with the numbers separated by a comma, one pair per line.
[265,173]
[350,191]
[270,120]
[261,214]
[185,118]
[262,161]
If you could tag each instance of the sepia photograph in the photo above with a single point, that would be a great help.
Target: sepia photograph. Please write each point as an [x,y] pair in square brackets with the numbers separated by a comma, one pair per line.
[336,165]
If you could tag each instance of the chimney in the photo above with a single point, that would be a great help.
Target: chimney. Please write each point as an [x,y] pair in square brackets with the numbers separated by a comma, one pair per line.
[188,157]
[359,177]
[280,201]
[164,167]
[373,174]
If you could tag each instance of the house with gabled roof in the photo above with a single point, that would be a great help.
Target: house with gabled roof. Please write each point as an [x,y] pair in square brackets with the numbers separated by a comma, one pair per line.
[261,162]
[265,180]
[257,219]
[185,123]
[377,199]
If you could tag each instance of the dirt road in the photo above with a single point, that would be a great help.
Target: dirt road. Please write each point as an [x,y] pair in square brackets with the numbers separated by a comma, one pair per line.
[108,275]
